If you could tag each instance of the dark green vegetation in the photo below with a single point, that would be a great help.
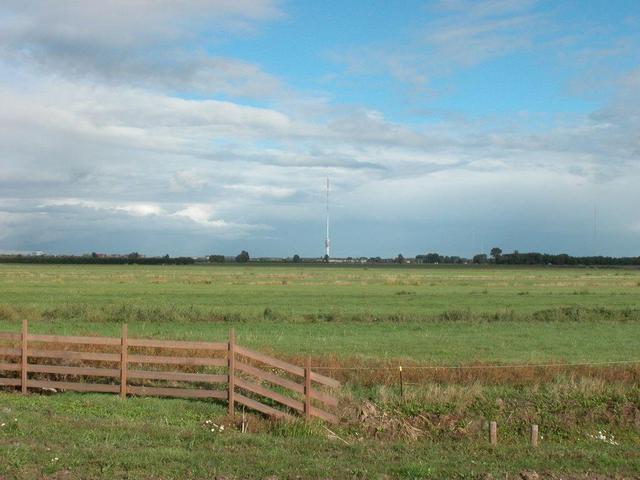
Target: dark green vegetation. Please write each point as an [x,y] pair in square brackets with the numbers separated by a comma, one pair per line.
[496,257]
[343,317]
[95,259]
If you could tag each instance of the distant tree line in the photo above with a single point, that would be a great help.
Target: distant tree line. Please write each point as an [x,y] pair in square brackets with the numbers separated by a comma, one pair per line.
[534,258]
[496,257]
[133,258]
[437,258]
[242,257]
[529,258]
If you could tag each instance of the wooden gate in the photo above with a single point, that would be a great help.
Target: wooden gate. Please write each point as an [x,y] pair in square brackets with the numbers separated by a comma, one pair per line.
[167,368]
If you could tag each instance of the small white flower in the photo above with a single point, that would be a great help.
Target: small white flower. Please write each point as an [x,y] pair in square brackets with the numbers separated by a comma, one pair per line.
[2,424]
[603,437]
[55,459]
[221,428]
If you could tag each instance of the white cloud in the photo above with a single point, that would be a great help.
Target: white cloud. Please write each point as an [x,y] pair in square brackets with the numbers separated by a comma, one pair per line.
[202,214]
[186,181]
[134,209]
[143,43]
[140,209]
[262,190]
[125,22]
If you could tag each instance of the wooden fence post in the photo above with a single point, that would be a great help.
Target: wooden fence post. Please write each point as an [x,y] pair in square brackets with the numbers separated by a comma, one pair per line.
[534,435]
[24,356]
[124,360]
[232,367]
[307,389]
[493,433]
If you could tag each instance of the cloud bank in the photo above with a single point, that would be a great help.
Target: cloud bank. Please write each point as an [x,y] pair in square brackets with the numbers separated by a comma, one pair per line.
[128,126]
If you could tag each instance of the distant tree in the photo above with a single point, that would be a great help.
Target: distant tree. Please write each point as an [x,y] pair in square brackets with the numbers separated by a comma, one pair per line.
[166,257]
[216,258]
[496,253]
[243,257]
[325,259]
[133,256]
[399,258]
[297,259]
[432,258]
[481,258]
[94,255]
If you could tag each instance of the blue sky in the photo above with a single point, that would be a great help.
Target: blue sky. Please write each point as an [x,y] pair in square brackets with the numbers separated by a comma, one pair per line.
[449,126]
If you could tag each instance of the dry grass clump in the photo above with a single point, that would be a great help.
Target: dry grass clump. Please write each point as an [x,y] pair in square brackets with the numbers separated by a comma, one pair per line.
[373,372]
[563,409]
[8,312]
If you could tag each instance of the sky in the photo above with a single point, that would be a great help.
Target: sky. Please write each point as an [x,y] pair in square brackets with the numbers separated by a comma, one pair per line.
[196,127]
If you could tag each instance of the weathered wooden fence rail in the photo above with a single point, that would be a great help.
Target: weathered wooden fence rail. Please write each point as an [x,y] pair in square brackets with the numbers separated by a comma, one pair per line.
[216,370]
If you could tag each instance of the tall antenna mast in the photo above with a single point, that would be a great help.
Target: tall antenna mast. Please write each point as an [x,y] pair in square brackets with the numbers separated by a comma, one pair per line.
[595,229]
[327,242]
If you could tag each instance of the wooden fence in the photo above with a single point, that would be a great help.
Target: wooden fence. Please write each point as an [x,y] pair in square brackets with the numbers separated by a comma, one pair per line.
[129,366]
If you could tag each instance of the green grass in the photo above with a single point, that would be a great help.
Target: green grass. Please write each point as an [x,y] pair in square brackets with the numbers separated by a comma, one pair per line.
[435,315]
[438,316]
[100,436]
[293,292]
[438,343]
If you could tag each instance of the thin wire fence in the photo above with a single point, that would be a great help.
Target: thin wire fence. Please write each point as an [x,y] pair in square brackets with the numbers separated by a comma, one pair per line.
[479,367]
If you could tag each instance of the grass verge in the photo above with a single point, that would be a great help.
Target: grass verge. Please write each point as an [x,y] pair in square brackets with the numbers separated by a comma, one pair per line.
[85,436]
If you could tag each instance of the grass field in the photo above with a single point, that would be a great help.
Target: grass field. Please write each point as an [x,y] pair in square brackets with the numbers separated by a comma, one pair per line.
[343,316]
[436,315]
[338,292]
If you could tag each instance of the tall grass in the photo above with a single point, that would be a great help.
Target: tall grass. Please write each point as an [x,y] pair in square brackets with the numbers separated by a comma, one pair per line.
[564,408]
[130,312]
